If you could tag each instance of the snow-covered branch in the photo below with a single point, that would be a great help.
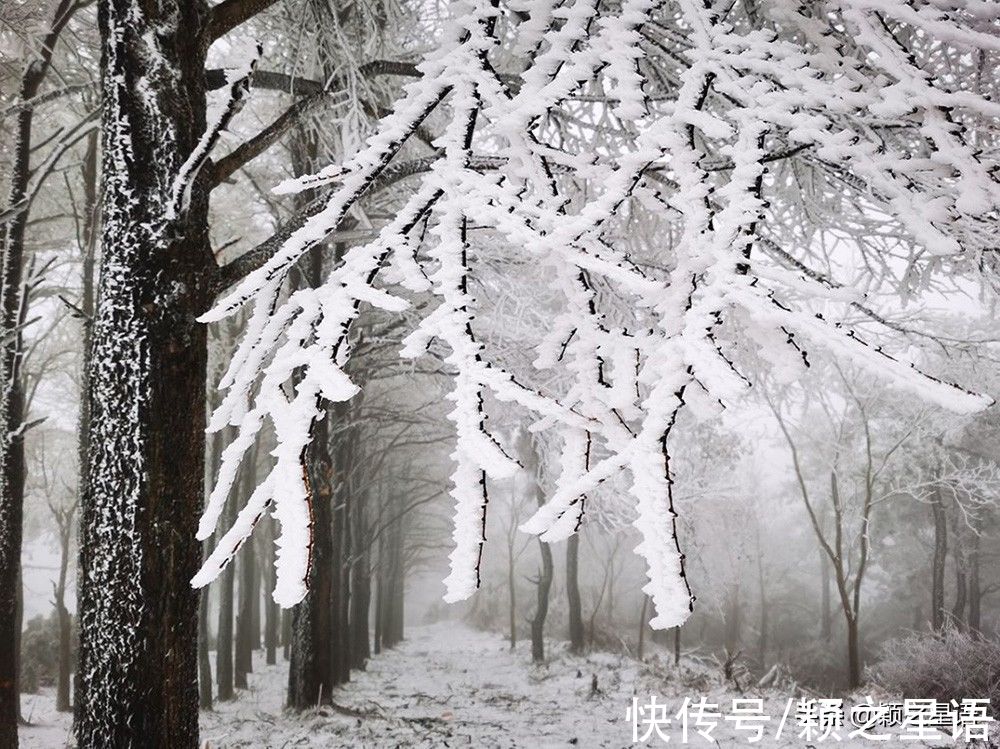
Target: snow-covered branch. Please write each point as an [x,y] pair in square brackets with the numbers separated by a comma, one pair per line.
[798,87]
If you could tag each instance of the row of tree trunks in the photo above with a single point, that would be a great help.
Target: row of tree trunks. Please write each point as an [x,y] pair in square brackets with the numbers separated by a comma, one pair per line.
[13,307]
[330,628]
[965,614]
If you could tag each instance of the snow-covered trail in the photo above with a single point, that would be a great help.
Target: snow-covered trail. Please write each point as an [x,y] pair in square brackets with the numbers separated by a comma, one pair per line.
[450,686]
[446,685]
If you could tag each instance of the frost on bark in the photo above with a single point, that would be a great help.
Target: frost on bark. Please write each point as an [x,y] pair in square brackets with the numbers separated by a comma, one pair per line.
[806,87]
[143,493]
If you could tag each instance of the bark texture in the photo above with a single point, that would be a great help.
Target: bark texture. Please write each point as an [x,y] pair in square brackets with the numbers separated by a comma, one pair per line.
[143,496]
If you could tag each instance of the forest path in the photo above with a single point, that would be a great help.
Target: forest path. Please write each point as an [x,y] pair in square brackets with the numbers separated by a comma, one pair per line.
[445,685]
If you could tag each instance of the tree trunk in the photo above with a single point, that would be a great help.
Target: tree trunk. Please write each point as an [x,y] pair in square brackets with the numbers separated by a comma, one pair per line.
[255,610]
[853,654]
[392,580]
[224,637]
[310,670]
[826,612]
[512,594]
[733,620]
[88,262]
[360,589]
[573,594]
[65,626]
[244,620]
[938,561]
[342,548]
[379,595]
[961,578]
[764,612]
[224,632]
[272,612]
[642,626]
[677,646]
[148,366]
[532,467]
[204,662]
[286,633]
[360,603]
[975,588]
[314,639]
[541,604]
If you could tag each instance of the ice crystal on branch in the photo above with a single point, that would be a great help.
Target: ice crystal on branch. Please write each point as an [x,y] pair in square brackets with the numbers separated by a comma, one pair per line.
[846,88]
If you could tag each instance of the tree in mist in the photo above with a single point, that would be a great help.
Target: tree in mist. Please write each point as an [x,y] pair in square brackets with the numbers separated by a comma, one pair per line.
[859,481]
[24,183]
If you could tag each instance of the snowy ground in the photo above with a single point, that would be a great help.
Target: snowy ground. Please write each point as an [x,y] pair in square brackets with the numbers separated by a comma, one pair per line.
[448,685]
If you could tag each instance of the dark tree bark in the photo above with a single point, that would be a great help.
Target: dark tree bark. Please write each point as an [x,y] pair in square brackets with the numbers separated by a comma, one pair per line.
[733,619]
[243,642]
[148,366]
[286,633]
[573,594]
[224,637]
[396,624]
[311,673]
[360,604]
[310,670]
[65,523]
[544,585]
[255,610]
[940,519]
[642,627]
[391,579]
[205,697]
[224,632]
[342,545]
[853,652]
[204,662]
[961,577]
[272,612]
[975,588]
[512,597]
[379,598]
[360,587]
[826,613]
[764,624]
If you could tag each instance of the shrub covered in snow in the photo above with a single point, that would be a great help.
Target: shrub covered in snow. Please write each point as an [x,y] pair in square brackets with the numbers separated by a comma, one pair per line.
[945,666]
